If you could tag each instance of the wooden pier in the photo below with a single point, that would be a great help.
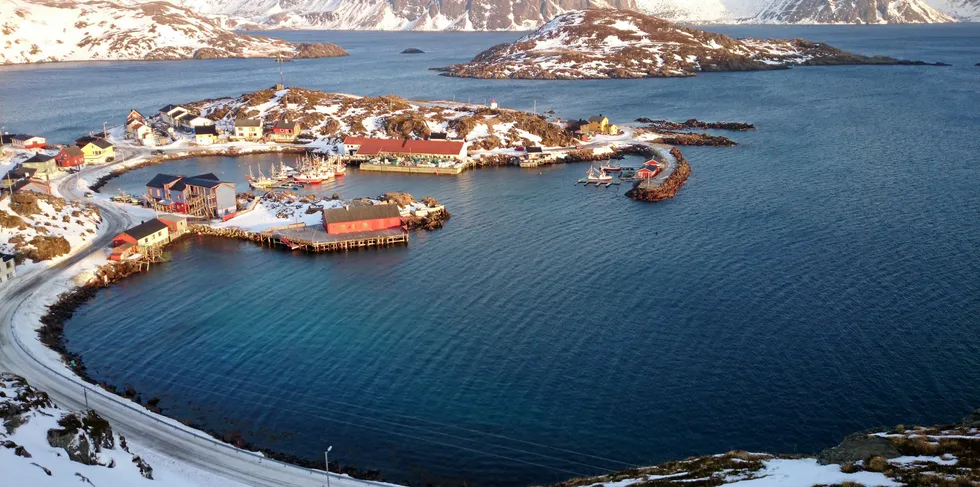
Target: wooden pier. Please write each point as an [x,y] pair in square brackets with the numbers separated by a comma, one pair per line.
[311,238]
[605,184]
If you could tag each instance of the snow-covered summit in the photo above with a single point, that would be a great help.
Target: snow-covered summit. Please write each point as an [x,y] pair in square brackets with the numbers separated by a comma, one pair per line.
[849,12]
[35,31]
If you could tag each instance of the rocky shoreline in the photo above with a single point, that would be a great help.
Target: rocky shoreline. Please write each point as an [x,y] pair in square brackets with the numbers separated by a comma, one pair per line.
[668,125]
[670,187]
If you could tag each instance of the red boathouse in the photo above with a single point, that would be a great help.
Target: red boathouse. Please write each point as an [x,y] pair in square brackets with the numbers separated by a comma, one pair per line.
[350,219]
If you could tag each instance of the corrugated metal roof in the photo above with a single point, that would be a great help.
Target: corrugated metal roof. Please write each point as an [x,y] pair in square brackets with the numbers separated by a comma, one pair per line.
[248,122]
[357,213]
[206,130]
[160,180]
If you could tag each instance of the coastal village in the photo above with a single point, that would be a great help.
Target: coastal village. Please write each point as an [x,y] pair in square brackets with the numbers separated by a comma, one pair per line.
[334,131]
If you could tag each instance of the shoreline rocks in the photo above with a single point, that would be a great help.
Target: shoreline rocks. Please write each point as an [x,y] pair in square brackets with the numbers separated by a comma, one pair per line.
[697,140]
[668,125]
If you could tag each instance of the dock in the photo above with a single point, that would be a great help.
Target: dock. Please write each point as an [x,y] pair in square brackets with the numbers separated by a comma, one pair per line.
[606,184]
[439,171]
[311,238]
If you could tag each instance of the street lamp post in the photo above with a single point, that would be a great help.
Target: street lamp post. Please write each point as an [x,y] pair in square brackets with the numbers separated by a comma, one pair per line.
[326,456]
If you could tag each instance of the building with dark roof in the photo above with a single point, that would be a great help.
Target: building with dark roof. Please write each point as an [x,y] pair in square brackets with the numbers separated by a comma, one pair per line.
[202,195]
[205,134]
[366,218]
[32,185]
[150,233]
[8,267]
[285,131]
[248,129]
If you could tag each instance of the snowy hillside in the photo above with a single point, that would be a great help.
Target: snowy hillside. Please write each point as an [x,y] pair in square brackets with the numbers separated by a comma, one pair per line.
[34,31]
[849,12]
[42,445]
[603,43]
[965,10]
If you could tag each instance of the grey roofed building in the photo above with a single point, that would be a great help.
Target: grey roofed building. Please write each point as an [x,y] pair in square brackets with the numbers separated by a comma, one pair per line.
[39,158]
[596,118]
[357,213]
[248,122]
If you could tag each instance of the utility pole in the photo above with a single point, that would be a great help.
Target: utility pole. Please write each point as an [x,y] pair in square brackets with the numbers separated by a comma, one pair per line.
[535,109]
[105,130]
[326,456]
[85,393]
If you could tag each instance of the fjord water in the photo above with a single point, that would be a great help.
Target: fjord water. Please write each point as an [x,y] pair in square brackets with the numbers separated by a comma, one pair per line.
[818,279]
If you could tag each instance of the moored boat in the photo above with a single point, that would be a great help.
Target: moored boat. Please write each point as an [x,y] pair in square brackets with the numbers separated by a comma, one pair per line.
[610,167]
[597,176]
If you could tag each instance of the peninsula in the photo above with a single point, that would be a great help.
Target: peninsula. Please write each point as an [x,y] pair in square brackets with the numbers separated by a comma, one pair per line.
[606,43]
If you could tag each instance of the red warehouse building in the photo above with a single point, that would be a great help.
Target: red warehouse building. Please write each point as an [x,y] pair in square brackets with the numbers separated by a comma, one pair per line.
[350,219]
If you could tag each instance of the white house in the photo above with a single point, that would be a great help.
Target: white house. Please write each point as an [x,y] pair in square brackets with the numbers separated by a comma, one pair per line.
[7,267]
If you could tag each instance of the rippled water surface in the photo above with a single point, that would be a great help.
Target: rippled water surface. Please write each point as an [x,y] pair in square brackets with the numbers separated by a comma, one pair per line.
[818,279]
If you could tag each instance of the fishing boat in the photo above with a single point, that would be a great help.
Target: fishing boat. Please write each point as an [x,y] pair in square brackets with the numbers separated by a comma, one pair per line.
[609,167]
[597,176]
[338,167]
[260,182]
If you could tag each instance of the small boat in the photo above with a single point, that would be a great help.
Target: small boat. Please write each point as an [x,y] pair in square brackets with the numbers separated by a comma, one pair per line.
[608,167]
[260,182]
[597,176]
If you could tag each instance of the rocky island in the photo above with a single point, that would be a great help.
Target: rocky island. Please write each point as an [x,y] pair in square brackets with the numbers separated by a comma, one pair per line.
[413,50]
[102,30]
[606,43]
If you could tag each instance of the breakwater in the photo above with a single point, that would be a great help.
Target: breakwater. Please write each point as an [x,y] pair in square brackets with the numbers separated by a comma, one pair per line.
[669,187]
[160,159]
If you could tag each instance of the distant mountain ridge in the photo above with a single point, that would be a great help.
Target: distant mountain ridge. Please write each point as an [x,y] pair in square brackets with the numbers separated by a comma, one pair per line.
[38,31]
[521,15]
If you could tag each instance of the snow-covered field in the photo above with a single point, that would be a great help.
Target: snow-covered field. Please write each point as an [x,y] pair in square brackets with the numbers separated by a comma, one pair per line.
[52,217]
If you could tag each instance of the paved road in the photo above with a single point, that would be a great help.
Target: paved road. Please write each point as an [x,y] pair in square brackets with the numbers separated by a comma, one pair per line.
[148,430]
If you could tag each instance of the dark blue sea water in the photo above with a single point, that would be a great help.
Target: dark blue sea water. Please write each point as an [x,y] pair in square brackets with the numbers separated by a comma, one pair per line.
[818,279]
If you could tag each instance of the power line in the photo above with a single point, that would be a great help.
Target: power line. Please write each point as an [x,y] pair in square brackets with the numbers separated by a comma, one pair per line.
[404,416]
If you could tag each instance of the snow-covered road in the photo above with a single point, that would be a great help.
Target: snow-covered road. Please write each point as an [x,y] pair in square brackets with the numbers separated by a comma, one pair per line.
[20,354]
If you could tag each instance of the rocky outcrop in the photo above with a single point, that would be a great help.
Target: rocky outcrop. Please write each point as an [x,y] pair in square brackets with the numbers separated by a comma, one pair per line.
[412,50]
[670,186]
[858,447]
[696,140]
[664,125]
[603,43]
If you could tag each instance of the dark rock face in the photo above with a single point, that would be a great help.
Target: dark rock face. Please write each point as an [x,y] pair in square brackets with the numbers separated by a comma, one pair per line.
[858,447]
[412,50]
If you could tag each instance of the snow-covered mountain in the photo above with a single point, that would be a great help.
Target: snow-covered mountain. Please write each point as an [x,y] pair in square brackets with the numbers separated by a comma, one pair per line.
[605,43]
[965,10]
[469,15]
[850,12]
[34,31]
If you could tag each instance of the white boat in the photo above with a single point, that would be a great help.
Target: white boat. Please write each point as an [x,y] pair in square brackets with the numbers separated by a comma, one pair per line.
[597,176]
[260,182]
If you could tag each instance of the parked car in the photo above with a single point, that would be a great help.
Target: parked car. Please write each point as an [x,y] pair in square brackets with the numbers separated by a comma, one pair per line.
[157,152]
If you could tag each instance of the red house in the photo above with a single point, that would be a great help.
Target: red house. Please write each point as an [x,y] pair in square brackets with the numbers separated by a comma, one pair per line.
[285,131]
[70,156]
[648,170]
[22,141]
[350,219]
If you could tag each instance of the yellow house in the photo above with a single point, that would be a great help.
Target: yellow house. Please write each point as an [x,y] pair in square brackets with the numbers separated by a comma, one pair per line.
[98,151]
[206,135]
[248,129]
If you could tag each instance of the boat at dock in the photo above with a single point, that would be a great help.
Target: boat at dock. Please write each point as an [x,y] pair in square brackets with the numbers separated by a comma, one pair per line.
[597,176]
[609,167]
[260,182]
[314,170]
